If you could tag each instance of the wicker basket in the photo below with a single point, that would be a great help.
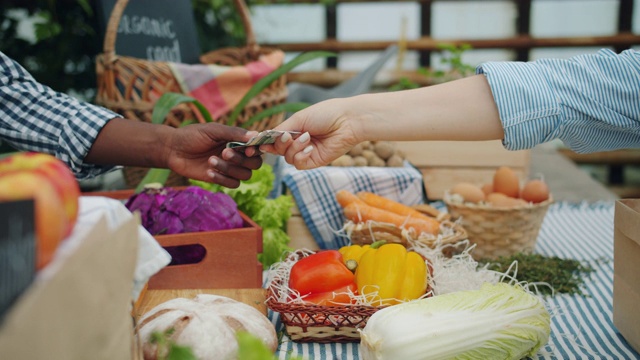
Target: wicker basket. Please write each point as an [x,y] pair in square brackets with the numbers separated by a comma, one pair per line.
[317,323]
[366,233]
[500,231]
[131,86]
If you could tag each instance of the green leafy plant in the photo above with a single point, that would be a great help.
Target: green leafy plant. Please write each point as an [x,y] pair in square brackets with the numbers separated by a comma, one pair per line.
[250,347]
[170,100]
[271,77]
[60,48]
[455,68]
[167,349]
[404,84]
[452,58]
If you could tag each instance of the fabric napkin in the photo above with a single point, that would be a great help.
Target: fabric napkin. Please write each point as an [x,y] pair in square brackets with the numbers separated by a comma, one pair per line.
[151,256]
[220,88]
[314,193]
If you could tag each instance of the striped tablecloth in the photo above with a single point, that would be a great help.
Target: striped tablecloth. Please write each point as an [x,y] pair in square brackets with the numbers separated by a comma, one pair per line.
[581,326]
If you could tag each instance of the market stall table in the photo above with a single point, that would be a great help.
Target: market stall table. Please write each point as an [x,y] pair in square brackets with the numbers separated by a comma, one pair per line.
[581,327]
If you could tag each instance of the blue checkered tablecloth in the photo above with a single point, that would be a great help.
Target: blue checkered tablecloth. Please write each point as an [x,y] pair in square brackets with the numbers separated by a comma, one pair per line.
[314,193]
[581,327]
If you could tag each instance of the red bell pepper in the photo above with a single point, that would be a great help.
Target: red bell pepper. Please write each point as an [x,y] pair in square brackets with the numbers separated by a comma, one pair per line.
[322,278]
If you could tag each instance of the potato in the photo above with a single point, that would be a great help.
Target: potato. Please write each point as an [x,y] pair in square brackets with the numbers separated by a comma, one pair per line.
[344,160]
[369,155]
[384,149]
[367,145]
[360,161]
[356,150]
[376,161]
[395,160]
[372,153]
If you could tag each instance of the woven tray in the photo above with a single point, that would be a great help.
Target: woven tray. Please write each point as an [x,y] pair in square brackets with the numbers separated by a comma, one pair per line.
[370,231]
[500,231]
[131,86]
[450,234]
[316,323]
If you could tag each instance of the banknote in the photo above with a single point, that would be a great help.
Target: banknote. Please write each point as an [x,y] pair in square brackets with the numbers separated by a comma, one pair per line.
[265,137]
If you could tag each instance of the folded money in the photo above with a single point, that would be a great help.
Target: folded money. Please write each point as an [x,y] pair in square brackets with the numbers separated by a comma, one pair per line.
[265,137]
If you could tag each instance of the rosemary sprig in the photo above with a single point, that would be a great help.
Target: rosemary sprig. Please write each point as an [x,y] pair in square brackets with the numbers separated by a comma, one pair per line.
[565,276]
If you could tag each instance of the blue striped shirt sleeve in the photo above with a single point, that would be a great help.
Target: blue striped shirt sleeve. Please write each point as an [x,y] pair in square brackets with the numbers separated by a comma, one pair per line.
[590,102]
[34,117]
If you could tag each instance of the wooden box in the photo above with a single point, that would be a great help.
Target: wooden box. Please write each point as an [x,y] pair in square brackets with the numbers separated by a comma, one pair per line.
[626,270]
[299,233]
[230,262]
[445,163]
[230,258]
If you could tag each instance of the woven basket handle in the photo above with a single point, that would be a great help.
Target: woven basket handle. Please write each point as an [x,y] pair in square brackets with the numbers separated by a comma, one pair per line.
[109,46]
[242,8]
[116,14]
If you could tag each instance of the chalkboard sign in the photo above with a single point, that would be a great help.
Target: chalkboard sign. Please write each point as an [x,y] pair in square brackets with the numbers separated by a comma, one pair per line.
[17,250]
[158,30]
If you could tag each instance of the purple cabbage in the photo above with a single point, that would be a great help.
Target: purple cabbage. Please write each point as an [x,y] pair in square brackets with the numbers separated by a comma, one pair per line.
[170,211]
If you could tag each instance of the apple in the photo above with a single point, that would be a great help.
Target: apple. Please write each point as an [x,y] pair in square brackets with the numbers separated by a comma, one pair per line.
[55,170]
[55,191]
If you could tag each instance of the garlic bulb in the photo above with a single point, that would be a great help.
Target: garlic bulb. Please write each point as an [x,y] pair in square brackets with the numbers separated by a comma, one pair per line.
[207,324]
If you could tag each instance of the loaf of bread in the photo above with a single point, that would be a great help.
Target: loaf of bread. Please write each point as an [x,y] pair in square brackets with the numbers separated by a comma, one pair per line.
[207,324]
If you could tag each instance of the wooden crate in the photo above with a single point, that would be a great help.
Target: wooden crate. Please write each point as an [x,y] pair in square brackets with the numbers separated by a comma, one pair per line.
[299,233]
[444,163]
[230,260]
[253,297]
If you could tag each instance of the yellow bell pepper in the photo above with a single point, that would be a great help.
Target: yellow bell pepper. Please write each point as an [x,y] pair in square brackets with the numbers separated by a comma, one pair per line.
[353,252]
[396,274]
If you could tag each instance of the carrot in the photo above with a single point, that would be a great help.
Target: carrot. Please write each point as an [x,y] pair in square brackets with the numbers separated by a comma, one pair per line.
[384,203]
[361,212]
[345,197]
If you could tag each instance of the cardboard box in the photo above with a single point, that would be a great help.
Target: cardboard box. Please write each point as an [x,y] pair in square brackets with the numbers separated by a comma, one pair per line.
[81,308]
[626,270]
[444,163]
[230,260]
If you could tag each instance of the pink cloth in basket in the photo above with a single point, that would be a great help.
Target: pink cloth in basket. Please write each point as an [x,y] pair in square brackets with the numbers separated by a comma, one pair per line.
[220,88]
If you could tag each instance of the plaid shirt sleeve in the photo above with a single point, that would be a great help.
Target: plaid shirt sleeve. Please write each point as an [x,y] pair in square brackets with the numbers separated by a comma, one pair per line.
[34,117]
[590,102]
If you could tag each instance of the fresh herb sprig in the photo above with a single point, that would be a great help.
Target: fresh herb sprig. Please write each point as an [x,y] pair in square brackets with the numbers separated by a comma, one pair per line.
[167,349]
[250,347]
